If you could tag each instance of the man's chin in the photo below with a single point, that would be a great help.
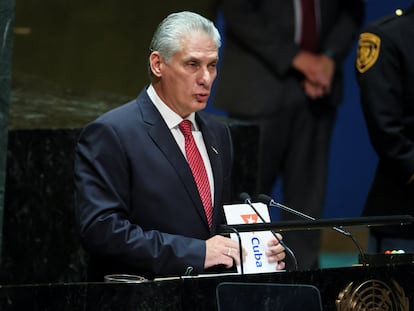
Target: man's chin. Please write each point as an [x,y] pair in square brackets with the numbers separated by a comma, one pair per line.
[200,105]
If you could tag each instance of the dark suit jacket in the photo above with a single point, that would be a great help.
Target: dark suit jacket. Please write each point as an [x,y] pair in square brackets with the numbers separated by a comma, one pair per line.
[255,76]
[137,204]
[386,78]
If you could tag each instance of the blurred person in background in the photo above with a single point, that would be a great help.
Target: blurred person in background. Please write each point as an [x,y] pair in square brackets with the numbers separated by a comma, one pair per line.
[282,70]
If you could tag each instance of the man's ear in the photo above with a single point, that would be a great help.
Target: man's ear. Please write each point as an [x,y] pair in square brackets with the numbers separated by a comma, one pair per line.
[155,64]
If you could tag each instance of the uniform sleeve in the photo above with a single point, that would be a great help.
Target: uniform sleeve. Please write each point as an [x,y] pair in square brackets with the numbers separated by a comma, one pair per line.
[379,70]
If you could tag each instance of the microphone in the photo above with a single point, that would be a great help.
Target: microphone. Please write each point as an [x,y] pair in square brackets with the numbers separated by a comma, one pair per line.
[270,202]
[245,197]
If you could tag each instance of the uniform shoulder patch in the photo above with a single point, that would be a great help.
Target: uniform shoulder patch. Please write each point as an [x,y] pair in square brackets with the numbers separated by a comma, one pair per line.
[368,51]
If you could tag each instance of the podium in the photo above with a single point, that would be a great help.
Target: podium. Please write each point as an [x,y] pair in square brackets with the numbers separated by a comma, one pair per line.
[291,225]
[242,296]
[48,276]
[337,224]
[340,289]
[371,286]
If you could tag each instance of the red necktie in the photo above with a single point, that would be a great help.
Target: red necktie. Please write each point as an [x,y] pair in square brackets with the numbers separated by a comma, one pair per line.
[309,34]
[198,169]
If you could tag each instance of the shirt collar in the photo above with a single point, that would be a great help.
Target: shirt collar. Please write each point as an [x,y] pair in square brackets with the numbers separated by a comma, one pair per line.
[170,117]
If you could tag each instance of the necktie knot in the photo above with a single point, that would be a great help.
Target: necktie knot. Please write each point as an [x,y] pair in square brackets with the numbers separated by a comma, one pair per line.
[185,128]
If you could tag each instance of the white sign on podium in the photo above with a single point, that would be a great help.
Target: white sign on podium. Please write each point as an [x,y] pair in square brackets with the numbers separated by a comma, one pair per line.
[255,243]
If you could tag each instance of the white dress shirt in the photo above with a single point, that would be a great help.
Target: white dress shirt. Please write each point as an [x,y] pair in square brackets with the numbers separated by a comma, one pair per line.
[172,120]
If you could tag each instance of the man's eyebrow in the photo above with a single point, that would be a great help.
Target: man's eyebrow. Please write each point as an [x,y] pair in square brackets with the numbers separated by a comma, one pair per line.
[192,59]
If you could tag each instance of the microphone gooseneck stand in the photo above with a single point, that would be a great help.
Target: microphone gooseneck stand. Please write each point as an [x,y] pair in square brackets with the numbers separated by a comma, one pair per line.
[270,202]
[247,200]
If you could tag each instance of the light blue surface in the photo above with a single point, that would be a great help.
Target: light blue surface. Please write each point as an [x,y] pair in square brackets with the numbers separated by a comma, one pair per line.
[338,259]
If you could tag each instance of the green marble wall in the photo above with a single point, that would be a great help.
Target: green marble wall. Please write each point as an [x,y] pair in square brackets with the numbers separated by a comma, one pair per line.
[73,60]
[6,43]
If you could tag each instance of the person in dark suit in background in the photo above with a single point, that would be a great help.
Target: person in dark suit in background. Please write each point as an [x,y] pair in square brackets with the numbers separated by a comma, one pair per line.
[385,74]
[282,70]
[141,207]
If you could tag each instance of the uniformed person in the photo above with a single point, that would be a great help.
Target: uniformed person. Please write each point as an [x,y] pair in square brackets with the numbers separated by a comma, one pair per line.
[385,74]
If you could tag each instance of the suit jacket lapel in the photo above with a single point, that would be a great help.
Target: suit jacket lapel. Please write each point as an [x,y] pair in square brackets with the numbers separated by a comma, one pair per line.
[163,139]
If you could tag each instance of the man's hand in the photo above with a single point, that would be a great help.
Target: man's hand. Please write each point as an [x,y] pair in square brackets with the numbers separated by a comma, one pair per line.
[318,70]
[312,90]
[225,251]
[276,252]
[222,251]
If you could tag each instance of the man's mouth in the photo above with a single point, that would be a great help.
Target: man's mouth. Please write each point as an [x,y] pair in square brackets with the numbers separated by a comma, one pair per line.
[201,96]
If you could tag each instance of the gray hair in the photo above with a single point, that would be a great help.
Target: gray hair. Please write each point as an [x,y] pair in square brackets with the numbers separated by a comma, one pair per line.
[167,37]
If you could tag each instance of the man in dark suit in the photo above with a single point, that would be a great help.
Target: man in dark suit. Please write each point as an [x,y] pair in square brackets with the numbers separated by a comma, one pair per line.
[140,204]
[281,69]
[385,72]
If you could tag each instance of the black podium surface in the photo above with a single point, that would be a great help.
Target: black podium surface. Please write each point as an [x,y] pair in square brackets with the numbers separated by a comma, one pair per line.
[369,288]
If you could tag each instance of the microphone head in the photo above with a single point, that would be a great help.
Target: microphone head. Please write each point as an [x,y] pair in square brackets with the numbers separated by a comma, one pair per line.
[264,199]
[245,197]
